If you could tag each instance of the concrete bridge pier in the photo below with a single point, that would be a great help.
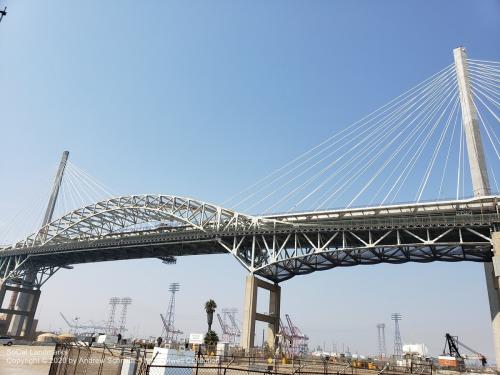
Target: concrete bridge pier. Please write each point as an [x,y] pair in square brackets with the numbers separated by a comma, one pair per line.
[492,273]
[480,185]
[272,317]
[19,321]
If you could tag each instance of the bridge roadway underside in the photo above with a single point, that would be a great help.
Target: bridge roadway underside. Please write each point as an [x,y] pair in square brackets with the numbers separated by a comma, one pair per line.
[282,254]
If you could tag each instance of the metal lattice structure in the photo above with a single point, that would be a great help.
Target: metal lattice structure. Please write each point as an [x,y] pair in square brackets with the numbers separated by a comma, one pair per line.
[169,332]
[382,351]
[110,325]
[125,302]
[398,343]
[230,328]
[275,247]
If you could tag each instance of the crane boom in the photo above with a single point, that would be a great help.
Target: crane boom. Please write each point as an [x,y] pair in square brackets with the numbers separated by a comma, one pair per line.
[67,321]
[235,327]
[165,325]
[453,344]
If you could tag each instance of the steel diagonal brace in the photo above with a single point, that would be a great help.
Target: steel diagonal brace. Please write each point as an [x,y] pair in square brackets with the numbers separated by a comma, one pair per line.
[480,235]
[234,251]
[417,237]
[441,235]
[282,246]
[381,238]
[359,239]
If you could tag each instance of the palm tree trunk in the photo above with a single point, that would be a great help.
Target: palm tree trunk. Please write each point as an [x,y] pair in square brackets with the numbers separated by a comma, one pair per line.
[210,318]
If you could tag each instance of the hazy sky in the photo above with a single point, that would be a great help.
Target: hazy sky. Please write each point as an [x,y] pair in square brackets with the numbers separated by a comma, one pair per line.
[202,99]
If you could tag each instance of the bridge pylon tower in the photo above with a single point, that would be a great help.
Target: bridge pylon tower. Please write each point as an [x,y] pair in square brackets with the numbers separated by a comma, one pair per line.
[480,186]
[20,314]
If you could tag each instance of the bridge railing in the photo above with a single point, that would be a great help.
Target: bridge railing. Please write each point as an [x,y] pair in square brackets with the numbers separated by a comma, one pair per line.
[462,219]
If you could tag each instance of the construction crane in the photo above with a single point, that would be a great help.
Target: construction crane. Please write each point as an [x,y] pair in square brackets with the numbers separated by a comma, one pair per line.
[451,354]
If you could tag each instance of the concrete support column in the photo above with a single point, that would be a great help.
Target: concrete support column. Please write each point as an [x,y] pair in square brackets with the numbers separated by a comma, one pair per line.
[249,312]
[20,322]
[492,273]
[480,184]
[272,316]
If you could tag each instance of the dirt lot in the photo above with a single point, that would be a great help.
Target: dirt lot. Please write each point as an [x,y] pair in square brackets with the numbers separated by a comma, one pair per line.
[25,360]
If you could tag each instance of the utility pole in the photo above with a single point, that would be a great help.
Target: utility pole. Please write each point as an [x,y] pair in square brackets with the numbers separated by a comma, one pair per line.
[480,186]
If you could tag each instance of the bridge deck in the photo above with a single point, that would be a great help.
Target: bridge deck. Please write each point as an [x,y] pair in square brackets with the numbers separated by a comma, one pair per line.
[280,246]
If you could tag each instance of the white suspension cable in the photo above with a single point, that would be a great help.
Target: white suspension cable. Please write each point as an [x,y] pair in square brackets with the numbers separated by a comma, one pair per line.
[487,131]
[435,153]
[409,166]
[452,137]
[366,164]
[378,172]
[374,144]
[486,106]
[377,113]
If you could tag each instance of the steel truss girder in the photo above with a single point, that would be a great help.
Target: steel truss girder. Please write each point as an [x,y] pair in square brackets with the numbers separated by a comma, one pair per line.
[278,256]
[275,247]
[23,268]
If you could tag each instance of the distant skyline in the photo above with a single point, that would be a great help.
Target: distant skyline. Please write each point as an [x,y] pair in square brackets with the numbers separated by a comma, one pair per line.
[204,99]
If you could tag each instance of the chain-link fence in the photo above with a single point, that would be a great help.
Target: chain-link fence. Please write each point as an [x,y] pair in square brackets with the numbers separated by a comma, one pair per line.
[74,359]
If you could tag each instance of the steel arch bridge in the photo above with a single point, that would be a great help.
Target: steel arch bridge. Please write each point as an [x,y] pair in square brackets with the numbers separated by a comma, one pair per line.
[275,247]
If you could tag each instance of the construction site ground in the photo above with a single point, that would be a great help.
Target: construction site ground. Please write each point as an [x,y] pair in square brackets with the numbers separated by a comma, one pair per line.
[25,359]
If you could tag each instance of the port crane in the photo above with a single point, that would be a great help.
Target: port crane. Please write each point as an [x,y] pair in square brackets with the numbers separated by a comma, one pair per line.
[452,344]
[75,327]
[230,328]
[293,341]
[299,340]
[171,334]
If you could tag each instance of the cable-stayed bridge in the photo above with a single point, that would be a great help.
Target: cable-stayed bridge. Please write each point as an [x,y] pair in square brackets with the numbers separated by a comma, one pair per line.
[416,144]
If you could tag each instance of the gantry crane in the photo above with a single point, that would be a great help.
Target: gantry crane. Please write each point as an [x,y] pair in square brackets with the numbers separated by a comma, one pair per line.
[230,328]
[452,344]
[75,327]
[171,334]
[293,341]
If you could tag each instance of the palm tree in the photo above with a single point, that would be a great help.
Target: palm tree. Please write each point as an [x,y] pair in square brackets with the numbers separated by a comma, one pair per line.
[211,338]
[210,307]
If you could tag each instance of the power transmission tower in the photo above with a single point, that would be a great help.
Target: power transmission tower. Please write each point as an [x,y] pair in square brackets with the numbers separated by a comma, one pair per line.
[382,351]
[110,326]
[125,302]
[169,332]
[398,344]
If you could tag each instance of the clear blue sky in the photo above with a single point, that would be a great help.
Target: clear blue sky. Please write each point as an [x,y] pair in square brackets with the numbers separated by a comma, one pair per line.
[202,99]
